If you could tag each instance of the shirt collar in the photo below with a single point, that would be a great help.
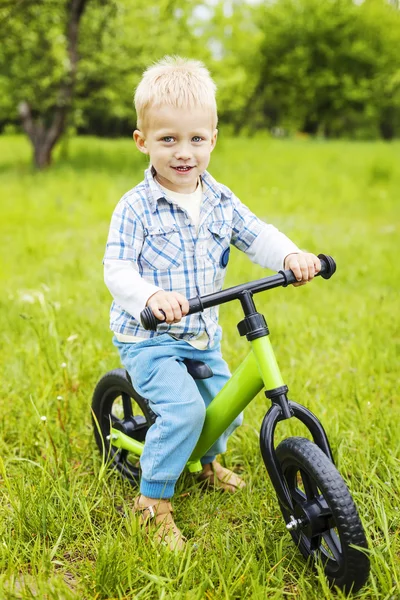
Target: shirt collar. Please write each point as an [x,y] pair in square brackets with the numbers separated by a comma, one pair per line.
[213,191]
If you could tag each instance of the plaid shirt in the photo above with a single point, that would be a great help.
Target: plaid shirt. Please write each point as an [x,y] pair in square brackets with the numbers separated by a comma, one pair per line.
[159,237]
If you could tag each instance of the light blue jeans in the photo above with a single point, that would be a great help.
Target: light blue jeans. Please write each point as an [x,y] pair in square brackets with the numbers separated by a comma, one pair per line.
[179,403]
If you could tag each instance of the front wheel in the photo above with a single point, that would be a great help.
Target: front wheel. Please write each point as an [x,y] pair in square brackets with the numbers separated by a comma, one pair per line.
[325,524]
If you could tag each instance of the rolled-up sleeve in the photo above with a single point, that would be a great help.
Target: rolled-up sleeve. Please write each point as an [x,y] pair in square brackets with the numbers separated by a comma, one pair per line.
[264,244]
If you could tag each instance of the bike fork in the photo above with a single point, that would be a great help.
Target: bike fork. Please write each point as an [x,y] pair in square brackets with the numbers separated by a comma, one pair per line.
[255,328]
[283,409]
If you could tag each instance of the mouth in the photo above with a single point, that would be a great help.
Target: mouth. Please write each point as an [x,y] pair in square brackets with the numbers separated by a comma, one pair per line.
[183,169]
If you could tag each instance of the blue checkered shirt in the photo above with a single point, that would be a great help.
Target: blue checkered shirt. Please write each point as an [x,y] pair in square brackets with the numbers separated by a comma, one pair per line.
[160,238]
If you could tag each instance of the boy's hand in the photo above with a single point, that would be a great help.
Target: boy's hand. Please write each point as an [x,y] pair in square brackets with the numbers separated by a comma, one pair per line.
[173,305]
[304,266]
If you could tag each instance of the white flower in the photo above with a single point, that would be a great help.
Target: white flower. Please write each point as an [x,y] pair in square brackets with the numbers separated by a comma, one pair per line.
[72,337]
[27,298]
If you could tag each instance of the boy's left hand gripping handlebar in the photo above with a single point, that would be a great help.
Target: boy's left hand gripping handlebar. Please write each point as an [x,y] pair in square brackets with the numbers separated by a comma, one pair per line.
[328,267]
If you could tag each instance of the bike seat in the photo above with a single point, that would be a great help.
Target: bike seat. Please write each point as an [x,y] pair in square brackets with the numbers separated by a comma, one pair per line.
[198,369]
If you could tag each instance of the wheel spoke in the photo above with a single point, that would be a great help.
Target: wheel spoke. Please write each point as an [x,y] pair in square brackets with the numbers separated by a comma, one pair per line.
[127,404]
[315,543]
[120,456]
[333,543]
[310,486]
[298,496]
[109,421]
[296,487]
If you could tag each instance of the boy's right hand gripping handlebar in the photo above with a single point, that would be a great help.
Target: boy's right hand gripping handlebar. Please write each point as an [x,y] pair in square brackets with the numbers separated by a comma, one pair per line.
[281,279]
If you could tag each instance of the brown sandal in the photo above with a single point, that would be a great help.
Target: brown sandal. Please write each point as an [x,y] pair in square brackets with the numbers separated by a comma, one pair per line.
[216,475]
[158,515]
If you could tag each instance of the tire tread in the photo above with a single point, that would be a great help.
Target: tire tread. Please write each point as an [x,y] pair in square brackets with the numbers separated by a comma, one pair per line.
[338,497]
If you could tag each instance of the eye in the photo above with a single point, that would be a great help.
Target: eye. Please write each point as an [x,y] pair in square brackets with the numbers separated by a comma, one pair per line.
[167,139]
[197,138]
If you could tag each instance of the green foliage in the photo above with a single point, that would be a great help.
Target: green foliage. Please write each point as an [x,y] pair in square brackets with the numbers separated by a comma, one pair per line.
[234,37]
[117,47]
[33,59]
[330,67]
[65,529]
[117,41]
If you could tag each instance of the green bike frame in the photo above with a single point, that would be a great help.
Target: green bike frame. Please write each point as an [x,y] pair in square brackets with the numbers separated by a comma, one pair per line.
[257,371]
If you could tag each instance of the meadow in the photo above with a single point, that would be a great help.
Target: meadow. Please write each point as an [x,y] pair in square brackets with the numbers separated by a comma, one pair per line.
[65,531]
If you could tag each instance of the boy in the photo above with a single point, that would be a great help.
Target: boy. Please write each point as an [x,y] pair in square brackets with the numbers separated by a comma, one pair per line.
[169,240]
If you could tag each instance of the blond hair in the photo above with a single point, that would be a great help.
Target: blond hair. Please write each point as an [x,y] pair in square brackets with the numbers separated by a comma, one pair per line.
[177,82]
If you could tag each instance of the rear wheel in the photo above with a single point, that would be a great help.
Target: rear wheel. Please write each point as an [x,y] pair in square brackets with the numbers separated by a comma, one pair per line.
[325,524]
[116,404]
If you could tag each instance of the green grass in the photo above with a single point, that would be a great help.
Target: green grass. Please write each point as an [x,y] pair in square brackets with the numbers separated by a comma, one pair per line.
[62,530]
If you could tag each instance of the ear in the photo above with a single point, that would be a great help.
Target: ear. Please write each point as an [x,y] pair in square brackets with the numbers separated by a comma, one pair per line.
[140,141]
[214,139]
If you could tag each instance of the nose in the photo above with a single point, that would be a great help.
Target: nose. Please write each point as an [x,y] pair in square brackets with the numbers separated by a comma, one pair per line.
[183,152]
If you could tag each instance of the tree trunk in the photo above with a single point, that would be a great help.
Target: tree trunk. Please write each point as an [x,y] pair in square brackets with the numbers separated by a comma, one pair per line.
[386,123]
[42,155]
[310,126]
[45,138]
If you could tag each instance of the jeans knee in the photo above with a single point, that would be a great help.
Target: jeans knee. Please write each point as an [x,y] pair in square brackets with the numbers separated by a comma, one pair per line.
[196,415]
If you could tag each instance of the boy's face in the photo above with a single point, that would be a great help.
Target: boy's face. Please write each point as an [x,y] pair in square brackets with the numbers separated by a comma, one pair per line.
[179,143]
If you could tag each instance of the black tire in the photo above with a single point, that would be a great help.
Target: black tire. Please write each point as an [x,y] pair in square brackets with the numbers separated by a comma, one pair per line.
[317,487]
[116,404]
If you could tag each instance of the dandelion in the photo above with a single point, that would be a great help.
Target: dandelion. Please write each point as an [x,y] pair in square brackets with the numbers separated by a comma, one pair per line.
[43,418]
[72,337]
[60,398]
[27,298]
[63,365]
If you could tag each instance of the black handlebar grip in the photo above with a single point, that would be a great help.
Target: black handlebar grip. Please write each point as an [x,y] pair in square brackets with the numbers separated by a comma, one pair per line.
[149,320]
[328,266]
[288,276]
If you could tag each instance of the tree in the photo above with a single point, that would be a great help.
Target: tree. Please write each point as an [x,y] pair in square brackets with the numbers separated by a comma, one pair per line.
[328,67]
[231,31]
[117,40]
[45,88]
[115,52]
[382,25]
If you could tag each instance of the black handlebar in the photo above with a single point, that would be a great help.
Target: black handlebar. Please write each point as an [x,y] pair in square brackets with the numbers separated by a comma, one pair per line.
[200,303]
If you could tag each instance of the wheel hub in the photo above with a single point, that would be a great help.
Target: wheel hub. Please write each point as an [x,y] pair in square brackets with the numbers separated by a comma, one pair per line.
[312,517]
[134,427]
